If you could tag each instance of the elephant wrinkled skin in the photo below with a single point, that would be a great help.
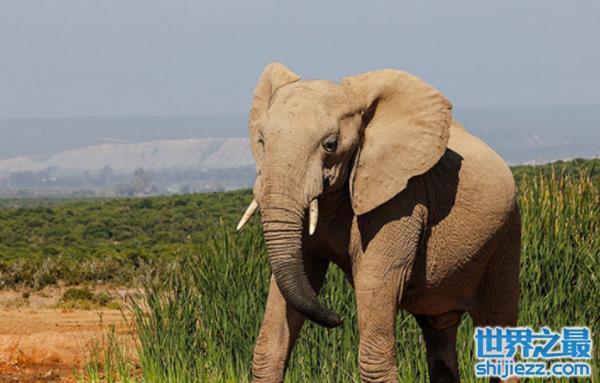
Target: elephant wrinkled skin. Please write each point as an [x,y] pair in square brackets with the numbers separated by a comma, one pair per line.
[418,213]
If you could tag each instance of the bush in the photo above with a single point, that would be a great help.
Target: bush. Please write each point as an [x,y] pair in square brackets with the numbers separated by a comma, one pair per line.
[104,240]
[84,298]
[77,294]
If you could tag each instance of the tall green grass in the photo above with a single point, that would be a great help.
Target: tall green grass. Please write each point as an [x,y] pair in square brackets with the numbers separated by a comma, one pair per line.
[108,361]
[199,319]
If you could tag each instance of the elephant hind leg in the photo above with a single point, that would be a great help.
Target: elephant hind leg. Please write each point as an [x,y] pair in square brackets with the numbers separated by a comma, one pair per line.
[440,341]
[497,299]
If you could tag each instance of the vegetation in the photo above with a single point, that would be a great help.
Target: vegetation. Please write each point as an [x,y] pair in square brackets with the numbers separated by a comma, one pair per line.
[86,299]
[575,168]
[205,285]
[108,361]
[105,240]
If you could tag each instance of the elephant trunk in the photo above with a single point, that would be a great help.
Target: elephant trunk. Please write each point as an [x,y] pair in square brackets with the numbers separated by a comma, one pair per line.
[283,229]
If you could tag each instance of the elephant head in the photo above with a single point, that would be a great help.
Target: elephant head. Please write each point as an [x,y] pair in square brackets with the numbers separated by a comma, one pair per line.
[372,132]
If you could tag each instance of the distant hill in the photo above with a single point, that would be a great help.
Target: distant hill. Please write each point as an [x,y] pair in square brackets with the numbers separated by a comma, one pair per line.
[537,134]
[190,154]
[42,137]
[521,135]
[204,152]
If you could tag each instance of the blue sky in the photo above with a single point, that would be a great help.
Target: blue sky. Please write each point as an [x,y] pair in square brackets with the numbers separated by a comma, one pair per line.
[141,57]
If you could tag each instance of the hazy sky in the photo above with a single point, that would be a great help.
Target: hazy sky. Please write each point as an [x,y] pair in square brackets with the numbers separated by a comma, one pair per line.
[143,57]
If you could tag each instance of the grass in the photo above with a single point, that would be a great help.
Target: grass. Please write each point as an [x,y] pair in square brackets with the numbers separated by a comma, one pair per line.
[199,317]
[108,361]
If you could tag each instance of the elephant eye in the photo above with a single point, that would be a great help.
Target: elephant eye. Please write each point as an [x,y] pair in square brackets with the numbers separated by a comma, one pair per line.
[261,140]
[330,144]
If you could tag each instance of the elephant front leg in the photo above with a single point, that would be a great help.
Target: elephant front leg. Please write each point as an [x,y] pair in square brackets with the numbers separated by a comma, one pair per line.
[379,276]
[377,303]
[280,328]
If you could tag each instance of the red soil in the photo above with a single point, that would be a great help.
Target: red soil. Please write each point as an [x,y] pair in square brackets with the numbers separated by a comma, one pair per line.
[51,345]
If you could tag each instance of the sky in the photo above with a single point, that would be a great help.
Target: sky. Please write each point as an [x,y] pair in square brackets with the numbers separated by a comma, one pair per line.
[74,58]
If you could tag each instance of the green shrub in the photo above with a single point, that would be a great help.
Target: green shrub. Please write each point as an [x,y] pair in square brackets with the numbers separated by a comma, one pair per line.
[84,298]
[76,294]
[104,240]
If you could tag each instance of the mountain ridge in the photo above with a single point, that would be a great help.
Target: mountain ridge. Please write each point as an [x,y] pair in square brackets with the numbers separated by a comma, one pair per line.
[212,152]
[196,154]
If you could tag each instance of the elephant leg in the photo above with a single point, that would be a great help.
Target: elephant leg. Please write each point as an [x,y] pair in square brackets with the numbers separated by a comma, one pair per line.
[379,276]
[441,348]
[377,349]
[505,316]
[280,328]
[497,300]
[377,304]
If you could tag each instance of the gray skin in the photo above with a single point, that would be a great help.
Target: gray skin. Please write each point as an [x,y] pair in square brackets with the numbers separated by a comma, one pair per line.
[418,213]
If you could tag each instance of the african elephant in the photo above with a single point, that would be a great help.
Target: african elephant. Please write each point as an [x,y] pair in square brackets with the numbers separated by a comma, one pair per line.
[374,175]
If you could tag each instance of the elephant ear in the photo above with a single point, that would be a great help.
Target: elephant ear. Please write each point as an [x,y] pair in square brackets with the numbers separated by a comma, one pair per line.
[273,77]
[406,132]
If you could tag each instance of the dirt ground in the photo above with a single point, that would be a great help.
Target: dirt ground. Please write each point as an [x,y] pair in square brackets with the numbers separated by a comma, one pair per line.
[40,343]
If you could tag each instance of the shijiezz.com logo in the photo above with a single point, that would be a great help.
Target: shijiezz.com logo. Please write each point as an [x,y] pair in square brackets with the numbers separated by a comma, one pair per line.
[521,352]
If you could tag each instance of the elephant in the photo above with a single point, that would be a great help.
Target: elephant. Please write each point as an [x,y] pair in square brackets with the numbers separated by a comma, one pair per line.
[374,175]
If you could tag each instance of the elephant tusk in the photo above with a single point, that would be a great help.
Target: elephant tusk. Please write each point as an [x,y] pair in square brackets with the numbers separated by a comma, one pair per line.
[248,214]
[313,216]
